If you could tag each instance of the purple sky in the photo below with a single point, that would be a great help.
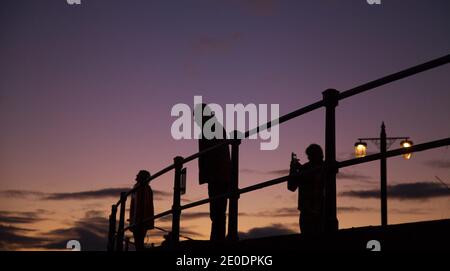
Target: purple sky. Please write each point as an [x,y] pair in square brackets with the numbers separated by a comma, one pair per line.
[86,93]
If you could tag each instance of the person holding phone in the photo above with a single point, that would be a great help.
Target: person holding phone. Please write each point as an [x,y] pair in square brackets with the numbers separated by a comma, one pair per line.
[309,181]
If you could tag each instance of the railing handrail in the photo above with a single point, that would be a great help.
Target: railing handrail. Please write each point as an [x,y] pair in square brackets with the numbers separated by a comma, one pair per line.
[343,95]
[179,161]
[396,76]
[346,163]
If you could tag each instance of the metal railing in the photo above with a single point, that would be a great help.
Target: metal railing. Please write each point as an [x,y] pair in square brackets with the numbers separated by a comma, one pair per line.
[330,100]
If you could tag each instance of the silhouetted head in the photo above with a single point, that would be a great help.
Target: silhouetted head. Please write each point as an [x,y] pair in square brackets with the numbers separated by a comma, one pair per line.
[199,118]
[314,153]
[142,176]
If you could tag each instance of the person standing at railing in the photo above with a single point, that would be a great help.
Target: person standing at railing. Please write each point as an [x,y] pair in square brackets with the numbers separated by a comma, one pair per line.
[215,170]
[308,179]
[141,209]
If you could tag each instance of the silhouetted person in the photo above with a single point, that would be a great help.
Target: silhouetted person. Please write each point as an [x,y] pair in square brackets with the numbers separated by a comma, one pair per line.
[141,209]
[215,170]
[308,178]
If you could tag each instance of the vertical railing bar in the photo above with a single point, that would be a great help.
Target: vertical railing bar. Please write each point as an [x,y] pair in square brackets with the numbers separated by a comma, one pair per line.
[112,228]
[383,176]
[234,191]
[330,98]
[176,206]
[120,230]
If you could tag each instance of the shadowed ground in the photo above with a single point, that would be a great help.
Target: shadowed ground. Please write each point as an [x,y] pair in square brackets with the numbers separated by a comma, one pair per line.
[419,236]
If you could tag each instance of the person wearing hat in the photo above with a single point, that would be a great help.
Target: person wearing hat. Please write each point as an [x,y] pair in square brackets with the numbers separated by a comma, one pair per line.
[141,209]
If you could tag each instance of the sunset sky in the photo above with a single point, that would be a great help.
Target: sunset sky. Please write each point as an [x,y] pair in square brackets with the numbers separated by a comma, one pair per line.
[86,93]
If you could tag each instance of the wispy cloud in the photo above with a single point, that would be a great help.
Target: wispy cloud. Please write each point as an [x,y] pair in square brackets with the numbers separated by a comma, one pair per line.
[272,230]
[15,229]
[342,175]
[21,194]
[353,209]
[191,216]
[406,191]
[352,175]
[410,211]
[12,237]
[81,195]
[293,212]
[186,216]
[406,211]
[90,231]
[438,164]
[102,193]
[8,217]
[281,172]
[279,212]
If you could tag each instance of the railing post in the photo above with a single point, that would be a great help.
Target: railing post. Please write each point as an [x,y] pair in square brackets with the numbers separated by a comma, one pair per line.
[120,230]
[331,99]
[112,228]
[176,206]
[383,175]
[234,191]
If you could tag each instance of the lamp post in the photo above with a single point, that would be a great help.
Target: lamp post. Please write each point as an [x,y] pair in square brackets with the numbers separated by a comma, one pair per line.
[383,142]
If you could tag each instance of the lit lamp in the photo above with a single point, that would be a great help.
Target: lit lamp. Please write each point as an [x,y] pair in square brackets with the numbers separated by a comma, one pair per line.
[406,144]
[383,143]
[360,149]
